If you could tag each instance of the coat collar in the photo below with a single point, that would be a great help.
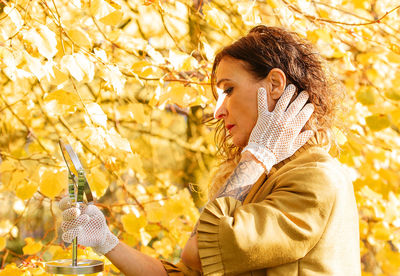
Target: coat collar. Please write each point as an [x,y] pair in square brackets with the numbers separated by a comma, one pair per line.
[316,140]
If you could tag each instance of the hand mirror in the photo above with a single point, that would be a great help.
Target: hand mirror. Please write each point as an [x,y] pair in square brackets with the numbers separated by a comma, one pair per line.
[77,187]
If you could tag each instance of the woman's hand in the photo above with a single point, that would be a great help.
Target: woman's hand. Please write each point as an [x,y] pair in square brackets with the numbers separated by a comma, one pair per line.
[88,224]
[276,135]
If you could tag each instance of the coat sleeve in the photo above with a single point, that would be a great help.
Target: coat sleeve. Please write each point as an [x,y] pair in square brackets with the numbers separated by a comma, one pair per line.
[234,238]
[179,269]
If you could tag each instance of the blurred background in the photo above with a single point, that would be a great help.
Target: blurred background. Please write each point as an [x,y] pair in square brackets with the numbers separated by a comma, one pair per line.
[127,84]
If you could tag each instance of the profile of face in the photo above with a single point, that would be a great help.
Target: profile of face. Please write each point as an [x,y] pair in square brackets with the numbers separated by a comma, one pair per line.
[237,96]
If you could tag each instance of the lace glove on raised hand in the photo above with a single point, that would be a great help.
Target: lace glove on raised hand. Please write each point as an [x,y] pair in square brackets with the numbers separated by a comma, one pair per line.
[275,136]
[88,224]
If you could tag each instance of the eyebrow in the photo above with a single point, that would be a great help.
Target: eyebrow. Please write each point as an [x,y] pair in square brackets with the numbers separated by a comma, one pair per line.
[219,82]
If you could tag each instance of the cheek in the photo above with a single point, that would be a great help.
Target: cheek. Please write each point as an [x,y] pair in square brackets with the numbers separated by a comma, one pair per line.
[250,115]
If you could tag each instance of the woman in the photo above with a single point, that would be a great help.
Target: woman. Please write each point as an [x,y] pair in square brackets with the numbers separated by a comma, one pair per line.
[280,204]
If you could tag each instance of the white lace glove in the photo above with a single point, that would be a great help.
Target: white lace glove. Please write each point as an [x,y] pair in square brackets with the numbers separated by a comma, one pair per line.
[88,224]
[275,136]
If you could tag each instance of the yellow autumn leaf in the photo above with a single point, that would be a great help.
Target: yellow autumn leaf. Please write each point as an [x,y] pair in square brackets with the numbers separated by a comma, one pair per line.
[12,270]
[373,75]
[58,76]
[3,243]
[80,37]
[11,24]
[182,61]
[137,110]
[97,114]
[69,63]
[98,182]
[154,212]
[52,182]
[209,51]
[164,246]
[48,47]
[114,78]
[363,226]
[319,34]
[7,166]
[395,116]
[390,260]
[60,102]
[135,162]
[32,247]
[118,142]
[340,137]
[113,18]
[17,177]
[180,95]
[36,67]
[143,69]
[131,240]
[44,39]
[214,17]
[145,237]
[100,8]
[26,189]
[132,224]
[249,12]
[393,93]
[361,4]
[366,95]
[378,122]
[274,3]
[79,66]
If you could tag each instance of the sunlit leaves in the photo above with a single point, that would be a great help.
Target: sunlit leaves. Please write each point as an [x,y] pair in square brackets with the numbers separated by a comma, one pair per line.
[44,39]
[378,121]
[250,14]
[3,243]
[136,112]
[98,182]
[11,269]
[52,182]
[61,102]
[58,77]
[366,95]
[144,69]
[112,18]
[133,224]
[96,114]
[79,66]
[26,189]
[114,78]
[178,94]
[181,61]
[11,24]
[100,8]
[32,247]
[80,37]
[128,83]
[215,17]
[393,94]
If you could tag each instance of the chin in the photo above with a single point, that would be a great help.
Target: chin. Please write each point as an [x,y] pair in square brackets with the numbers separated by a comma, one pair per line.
[240,141]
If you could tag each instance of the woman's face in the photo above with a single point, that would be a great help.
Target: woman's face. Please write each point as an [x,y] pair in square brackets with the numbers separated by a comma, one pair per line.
[237,99]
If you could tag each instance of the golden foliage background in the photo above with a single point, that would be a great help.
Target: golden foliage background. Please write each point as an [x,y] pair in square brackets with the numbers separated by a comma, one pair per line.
[127,82]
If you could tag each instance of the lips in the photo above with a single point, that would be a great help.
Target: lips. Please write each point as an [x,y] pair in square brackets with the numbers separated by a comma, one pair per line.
[229,127]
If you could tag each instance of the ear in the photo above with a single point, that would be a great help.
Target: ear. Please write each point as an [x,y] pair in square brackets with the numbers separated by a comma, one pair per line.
[276,79]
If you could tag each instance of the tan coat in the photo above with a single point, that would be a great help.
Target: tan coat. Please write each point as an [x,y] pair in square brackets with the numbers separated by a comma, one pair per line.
[300,220]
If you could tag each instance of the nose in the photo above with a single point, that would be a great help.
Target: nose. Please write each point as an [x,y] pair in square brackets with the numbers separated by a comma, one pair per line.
[220,109]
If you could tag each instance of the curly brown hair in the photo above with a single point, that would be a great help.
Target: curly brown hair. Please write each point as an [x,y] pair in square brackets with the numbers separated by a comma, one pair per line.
[265,48]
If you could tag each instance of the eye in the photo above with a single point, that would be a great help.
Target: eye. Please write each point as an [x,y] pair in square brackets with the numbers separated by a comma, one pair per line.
[228,90]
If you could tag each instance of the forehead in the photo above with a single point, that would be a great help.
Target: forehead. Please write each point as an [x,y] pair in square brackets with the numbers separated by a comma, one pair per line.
[231,68]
